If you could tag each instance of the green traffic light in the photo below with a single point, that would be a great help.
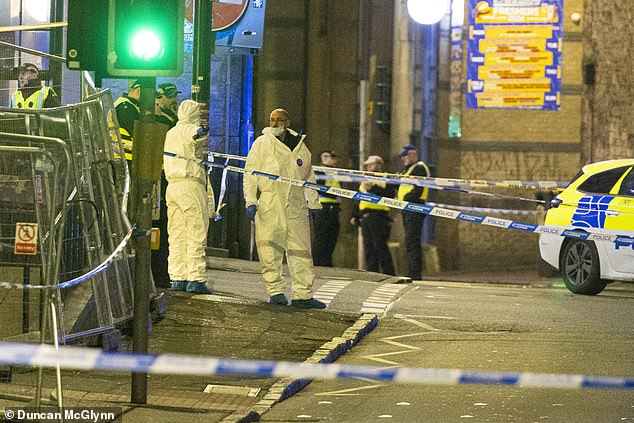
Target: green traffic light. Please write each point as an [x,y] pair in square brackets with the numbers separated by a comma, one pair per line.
[145,38]
[146,44]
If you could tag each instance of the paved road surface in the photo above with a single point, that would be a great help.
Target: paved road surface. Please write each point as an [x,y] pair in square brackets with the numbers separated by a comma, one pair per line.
[484,327]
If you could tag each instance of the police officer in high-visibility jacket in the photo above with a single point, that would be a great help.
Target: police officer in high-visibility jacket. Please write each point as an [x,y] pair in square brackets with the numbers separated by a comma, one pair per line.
[167,104]
[128,110]
[413,222]
[327,219]
[30,93]
[375,222]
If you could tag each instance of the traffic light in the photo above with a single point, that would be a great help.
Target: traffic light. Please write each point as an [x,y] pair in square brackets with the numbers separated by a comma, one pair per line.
[145,38]
[86,36]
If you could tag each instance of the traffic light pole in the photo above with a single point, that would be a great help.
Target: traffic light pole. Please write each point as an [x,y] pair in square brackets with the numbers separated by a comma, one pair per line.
[147,157]
[203,49]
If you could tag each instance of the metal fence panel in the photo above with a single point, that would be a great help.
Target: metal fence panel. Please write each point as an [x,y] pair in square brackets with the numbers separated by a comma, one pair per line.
[95,223]
[33,186]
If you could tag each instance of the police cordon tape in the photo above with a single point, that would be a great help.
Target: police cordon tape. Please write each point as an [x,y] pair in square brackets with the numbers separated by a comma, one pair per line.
[421,183]
[620,238]
[485,209]
[443,182]
[348,175]
[341,175]
[81,358]
[79,279]
[408,181]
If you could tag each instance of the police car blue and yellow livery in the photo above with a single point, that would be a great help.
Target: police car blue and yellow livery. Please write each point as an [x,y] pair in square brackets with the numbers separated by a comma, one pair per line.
[600,197]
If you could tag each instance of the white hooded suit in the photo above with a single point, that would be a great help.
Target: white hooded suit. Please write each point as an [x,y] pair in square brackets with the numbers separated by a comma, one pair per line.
[186,196]
[281,221]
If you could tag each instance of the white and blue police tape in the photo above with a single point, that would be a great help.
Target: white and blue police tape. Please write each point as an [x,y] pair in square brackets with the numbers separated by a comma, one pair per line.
[445,184]
[406,180]
[216,215]
[81,358]
[346,175]
[620,238]
[485,209]
[79,279]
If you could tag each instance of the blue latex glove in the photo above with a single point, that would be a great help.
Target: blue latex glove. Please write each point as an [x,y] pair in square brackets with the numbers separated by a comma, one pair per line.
[251,211]
[201,132]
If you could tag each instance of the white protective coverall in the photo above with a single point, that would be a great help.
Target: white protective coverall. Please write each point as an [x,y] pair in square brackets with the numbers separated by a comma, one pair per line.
[186,196]
[281,221]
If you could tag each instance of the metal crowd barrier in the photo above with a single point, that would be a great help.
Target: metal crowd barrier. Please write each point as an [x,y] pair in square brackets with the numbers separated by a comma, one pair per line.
[86,213]
[34,179]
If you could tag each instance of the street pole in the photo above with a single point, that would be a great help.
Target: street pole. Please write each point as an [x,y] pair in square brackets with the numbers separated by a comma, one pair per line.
[147,157]
[203,49]
[204,40]
[363,71]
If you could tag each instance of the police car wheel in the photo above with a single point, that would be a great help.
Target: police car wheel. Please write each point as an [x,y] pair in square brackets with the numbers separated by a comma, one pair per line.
[579,268]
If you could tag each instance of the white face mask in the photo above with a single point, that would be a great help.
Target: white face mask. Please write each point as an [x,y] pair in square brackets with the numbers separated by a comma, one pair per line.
[277,131]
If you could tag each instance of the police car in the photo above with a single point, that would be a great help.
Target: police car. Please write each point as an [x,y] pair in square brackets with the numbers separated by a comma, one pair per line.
[600,199]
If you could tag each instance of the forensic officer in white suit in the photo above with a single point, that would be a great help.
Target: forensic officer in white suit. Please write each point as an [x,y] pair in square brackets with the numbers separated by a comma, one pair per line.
[280,210]
[187,201]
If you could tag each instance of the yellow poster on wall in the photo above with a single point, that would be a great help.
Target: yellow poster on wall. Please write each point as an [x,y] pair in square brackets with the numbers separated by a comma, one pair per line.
[514,58]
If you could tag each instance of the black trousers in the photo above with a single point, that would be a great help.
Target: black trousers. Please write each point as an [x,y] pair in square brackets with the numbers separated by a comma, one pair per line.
[326,233]
[375,227]
[159,257]
[413,225]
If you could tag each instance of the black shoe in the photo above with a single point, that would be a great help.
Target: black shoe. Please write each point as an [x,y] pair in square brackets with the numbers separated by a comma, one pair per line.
[278,299]
[311,303]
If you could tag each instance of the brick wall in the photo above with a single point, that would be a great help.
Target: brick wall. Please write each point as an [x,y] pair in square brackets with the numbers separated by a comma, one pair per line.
[607,124]
[508,145]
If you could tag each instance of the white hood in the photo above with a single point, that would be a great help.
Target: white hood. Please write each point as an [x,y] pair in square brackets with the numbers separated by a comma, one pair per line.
[188,112]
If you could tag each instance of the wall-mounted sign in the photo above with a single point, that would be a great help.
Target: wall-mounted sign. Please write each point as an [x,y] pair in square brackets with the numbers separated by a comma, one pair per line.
[25,238]
[238,23]
[226,13]
[515,54]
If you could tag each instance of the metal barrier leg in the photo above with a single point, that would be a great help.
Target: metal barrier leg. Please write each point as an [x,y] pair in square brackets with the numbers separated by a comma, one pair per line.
[43,330]
[58,371]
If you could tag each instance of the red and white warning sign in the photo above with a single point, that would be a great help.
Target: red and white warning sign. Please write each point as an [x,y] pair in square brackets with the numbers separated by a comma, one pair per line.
[25,238]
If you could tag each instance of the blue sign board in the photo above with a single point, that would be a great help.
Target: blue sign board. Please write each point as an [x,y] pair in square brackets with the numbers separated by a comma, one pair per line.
[514,59]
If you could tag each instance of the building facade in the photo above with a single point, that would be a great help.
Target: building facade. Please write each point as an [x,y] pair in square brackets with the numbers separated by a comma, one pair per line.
[328,62]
